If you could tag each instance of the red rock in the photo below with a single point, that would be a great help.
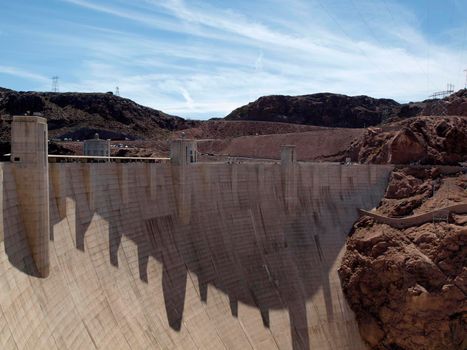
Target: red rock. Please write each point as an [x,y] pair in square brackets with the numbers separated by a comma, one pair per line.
[428,140]
[408,287]
[405,148]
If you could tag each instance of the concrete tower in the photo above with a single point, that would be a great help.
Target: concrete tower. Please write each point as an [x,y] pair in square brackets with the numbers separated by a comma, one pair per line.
[183,152]
[30,167]
[96,147]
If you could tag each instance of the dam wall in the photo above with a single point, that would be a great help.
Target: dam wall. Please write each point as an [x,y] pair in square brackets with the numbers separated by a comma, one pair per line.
[202,256]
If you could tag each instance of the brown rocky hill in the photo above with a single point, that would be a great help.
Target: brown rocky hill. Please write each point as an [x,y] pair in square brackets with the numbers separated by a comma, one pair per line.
[79,115]
[334,110]
[455,104]
[408,287]
[424,140]
[323,109]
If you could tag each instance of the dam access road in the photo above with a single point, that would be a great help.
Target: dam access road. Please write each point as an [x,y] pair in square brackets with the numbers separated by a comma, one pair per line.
[179,255]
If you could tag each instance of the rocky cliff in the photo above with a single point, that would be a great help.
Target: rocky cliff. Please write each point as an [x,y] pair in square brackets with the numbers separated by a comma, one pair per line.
[455,104]
[80,115]
[408,287]
[334,110]
[425,140]
[323,109]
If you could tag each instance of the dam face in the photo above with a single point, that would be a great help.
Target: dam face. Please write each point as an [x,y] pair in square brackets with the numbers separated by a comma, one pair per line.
[204,256]
[178,256]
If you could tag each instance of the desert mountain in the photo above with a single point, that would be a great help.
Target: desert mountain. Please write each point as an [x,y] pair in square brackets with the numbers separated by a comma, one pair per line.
[80,115]
[323,109]
[425,140]
[334,110]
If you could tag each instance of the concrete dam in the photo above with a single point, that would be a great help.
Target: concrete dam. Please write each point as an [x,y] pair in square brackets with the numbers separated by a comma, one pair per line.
[179,255]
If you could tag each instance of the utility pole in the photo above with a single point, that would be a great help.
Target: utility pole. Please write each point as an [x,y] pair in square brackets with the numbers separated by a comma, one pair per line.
[55,84]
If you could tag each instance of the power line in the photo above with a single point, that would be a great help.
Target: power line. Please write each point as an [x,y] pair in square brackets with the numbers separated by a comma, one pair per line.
[463,42]
[428,49]
[395,25]
[373,62]
[365,22]
[461,55]
[389,11]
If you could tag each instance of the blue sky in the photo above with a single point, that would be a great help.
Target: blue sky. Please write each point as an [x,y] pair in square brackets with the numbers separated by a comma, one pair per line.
[203,59]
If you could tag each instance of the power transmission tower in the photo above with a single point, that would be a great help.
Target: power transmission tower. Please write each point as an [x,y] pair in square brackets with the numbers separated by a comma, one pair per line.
[117,91]
[55,84]
[465,84]
[438,107]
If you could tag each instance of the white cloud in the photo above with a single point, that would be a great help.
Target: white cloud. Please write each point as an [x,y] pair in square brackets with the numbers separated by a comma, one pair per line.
[199,60]
[21,73]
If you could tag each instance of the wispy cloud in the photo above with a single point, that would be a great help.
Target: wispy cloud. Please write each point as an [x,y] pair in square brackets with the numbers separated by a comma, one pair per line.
[199,59]
[259,62]
[21,73]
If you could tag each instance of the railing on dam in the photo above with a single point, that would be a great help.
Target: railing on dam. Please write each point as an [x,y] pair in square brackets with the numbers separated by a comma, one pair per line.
[56,158]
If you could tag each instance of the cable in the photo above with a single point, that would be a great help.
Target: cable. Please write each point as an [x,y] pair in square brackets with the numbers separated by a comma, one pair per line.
[358,48]
[428,49]
[395,25]
[371,31]
[462,54]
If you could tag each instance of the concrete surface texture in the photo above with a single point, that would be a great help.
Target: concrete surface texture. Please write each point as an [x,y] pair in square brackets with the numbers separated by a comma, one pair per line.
[203,256]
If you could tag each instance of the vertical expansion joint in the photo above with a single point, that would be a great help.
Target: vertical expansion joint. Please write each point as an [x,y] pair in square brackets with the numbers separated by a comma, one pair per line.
[29,142]
[289,176]
[288,154]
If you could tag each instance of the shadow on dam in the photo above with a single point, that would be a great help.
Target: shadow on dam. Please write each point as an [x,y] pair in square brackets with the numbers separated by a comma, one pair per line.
[261,237]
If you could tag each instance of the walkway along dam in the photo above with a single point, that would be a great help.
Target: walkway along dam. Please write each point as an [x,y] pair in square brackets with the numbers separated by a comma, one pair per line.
[175,255]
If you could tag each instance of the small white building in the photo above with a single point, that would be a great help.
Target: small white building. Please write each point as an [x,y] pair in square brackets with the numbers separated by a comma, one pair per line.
[97,147]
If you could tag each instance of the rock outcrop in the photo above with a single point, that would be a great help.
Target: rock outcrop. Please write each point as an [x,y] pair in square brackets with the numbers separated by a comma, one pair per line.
[80,115]
[335,110]
[455,104]
[408,287]
[323,109]
[425,140]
